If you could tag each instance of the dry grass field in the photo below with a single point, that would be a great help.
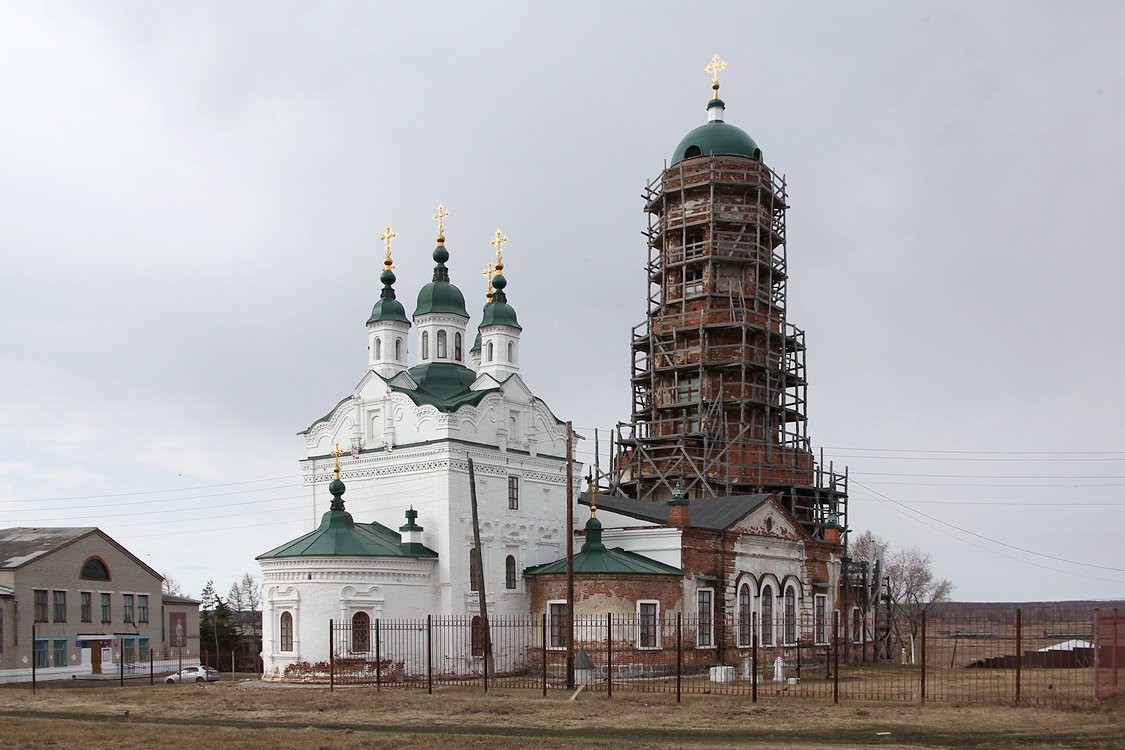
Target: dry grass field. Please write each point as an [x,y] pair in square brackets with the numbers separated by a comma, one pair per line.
[254,715]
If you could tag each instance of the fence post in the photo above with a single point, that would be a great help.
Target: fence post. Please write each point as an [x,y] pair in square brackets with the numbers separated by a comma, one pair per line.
[754,658]
[378,659]
[34,665]
[609,653]
[232,670]
[180,656]
[151,678]
[1113,654]
[922,679]
[1019,652]
[430,654]
[1097,655]
[121,663]
[679,652]
[331,658]
[486,634]
[543,633]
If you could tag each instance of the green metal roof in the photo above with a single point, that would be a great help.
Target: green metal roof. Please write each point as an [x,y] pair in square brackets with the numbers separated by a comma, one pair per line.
[387,307]
[340,536]
[439,296]
[719,139]
[498,312]
[444,385]
[596,558]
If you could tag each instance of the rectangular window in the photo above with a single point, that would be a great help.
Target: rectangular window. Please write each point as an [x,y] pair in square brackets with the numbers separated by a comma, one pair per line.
[128,650]
[513,493]
[286,631]
[648,624]
[41,653]
[40,606]
[142,608]
[127,607]
[85,599]
[58,599]
[693,282]
[705,631]
[556,620]
[142,649]
[820,619]
[107,615]
[60,653]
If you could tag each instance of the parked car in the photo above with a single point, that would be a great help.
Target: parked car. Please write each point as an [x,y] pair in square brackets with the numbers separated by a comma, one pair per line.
[193,674]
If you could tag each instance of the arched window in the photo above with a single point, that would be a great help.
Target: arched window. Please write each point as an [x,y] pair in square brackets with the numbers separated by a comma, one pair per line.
[790,615]
[457,346]
[744,621]
[425,344]
[441,345]
[489,357]
[361,632]
[767,615]
[692,152]
[286,631]
[398,350]
[378,349]
[94,569]
[510,572]
[476,636]
[474,569]
[511,351]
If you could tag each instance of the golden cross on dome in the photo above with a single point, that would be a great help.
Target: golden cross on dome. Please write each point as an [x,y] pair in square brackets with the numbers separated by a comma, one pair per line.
[717,64]
[336,453]
[593,494]
[498,243]
[388,235]
[488,272]
[439,217]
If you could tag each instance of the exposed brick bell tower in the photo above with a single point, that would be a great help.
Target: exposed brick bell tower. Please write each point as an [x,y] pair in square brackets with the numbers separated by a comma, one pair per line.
[718,375]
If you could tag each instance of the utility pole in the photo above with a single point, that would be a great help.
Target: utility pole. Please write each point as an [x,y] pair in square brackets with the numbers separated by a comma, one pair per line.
[569,555]
[486,631]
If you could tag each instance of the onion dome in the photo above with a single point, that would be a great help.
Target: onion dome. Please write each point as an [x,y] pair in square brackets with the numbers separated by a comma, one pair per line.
[716,137]
[498,312]
[439,296]
[387,307]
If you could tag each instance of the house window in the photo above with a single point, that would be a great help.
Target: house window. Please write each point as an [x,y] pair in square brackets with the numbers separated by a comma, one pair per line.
[40,605]
[857,625]
[442,338]
[142,607]
[476,636]
[378,349]
[510,572]
[704,607]
[767,615]
[41,653]
[361,632]
[127,608]
[648,632]
[94,569]
[474,569]
[556,617]
[86,605]
[286,631]
[745,634]
[143,648]
[820,618]
[511,351]
[790,615]
[107,614]
[425,344]
[398,349]
[489,349]
[128,650]
[513,493]
[457,347]
[59,654]
[58,599]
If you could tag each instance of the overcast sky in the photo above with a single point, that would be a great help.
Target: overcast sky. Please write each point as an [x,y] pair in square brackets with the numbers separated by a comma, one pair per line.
[191,197]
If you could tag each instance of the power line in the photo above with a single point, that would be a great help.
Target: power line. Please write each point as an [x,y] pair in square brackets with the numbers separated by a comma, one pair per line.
[155,492]
[994,541]
[875,457]
[174,499]
[1016,503]
[969,452]
[191,509]
[981,476]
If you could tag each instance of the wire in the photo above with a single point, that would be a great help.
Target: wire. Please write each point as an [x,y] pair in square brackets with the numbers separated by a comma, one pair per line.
[176,499]
[994,453]
[1016,503]
[155,492]
[994,541]
[191,509]
[977,476]
[973,458]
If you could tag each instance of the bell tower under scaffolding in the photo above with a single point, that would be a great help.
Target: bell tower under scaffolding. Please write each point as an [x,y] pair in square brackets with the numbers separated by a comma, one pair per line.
[718,372]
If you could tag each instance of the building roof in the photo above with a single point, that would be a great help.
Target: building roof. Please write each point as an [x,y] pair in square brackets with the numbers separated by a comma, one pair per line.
[498,312]
[184,600]
[22,544]
[716,138]
[715,514]
[340,536]
[595,558]
[440,296]
[444,385]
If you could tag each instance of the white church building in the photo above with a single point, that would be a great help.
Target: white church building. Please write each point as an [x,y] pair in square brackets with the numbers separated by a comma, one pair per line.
[407,432]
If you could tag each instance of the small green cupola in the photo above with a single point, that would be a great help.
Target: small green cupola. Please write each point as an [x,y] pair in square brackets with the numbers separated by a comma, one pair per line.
[440,296]
[499,328]
[716,137]
[388,307]
[388,327]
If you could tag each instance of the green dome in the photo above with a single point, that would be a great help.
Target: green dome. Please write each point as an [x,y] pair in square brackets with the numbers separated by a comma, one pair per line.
[387,307]
[439,296]
[498,312]
[716,138]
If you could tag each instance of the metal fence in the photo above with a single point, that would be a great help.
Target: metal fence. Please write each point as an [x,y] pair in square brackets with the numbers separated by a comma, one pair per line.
[997,659]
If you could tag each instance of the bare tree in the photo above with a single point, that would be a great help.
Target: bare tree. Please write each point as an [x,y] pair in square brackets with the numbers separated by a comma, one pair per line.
[171,587]
[912,590]
[251,593]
